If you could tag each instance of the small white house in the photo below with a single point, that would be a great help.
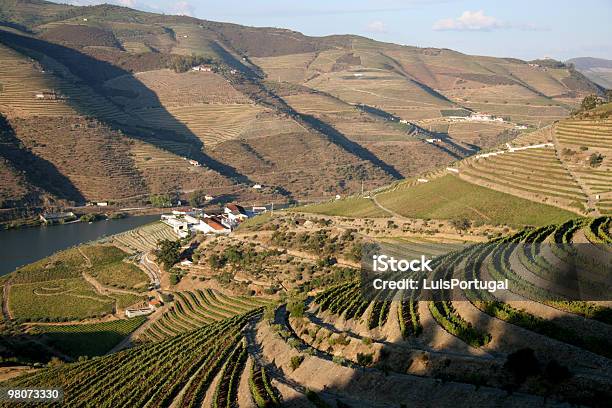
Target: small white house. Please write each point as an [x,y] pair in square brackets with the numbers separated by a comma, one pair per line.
[184,211]
[258,210]
[235,213]
[140,311]
[195,163]
[202,68]
[257,187]
[423,180]
[179,225]
[212,225]
[102,203]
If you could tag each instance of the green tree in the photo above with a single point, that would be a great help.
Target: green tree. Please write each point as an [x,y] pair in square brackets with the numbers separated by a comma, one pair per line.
[168,252]
[461,224]
[596,159]
[161,200]
[197,198]
[589,102]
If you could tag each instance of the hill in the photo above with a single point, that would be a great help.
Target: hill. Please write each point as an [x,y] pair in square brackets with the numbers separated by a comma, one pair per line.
[264,94]
[469,345]
[565,165]
[598,70]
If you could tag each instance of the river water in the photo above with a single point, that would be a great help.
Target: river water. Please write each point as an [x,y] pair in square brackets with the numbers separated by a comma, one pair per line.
[23,246]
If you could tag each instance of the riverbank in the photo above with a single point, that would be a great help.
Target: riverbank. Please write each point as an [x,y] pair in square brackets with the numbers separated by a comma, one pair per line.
[20,247]
[34,221]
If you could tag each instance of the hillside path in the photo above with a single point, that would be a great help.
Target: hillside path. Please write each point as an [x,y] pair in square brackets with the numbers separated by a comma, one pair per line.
[128,340]
[394,214]
[100,288]
[388,211]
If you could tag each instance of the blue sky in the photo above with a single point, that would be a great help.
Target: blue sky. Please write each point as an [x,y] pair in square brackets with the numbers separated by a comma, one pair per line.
[560,29]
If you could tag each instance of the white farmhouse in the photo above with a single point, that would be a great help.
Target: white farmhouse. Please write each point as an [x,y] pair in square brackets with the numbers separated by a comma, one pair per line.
[139,311]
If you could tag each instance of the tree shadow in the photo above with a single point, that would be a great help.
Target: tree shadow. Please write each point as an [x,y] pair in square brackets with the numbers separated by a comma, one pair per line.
[37,171]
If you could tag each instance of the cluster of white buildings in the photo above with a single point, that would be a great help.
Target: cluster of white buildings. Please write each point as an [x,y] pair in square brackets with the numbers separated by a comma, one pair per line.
[202,68]
[475,117]
[192,220]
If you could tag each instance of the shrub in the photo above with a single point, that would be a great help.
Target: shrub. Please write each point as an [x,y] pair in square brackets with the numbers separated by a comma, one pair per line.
[365,359]
[296,361]
[595,160]
[168,252]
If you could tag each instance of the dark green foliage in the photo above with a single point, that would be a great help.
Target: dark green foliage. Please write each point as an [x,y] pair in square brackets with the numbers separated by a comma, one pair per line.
[91,217]
[161,200]
[182,63]
[168,252]
[596,159]
[365,359]
[197,198]
[296,361]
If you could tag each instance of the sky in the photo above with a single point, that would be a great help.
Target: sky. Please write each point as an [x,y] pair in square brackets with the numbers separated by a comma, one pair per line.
[526,29]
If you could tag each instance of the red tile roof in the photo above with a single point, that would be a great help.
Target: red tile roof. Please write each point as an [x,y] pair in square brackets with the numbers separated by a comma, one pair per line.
[214,224]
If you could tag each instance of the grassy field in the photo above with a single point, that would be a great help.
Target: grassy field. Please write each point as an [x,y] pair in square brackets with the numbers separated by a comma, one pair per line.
[54,289]
[88,339]
[449,197]
[350,207]
[62,299]
[109,269]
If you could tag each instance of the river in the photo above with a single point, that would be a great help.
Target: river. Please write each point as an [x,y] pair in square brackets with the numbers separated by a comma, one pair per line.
[23,246]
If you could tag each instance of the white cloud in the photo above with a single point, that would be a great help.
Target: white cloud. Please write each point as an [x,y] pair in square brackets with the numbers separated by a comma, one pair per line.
[183,8]
[469,21]
[376,26]
[127,3]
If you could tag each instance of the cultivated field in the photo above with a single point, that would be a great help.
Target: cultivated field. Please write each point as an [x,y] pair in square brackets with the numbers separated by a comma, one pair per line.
[450,197]
[144,239]
[579,140]
[192,310]
[79,283]
[471,336]
[537,174]
[94,339]
[349,207]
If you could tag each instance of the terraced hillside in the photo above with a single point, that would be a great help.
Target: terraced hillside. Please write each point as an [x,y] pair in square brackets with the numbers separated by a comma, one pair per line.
[85,158]
[191,310]
[536,173]
[586,145]
[143,239]
[362,75]
[469,345]
[332,102]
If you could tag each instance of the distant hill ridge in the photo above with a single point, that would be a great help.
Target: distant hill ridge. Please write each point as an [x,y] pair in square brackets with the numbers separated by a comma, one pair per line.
[598,70]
